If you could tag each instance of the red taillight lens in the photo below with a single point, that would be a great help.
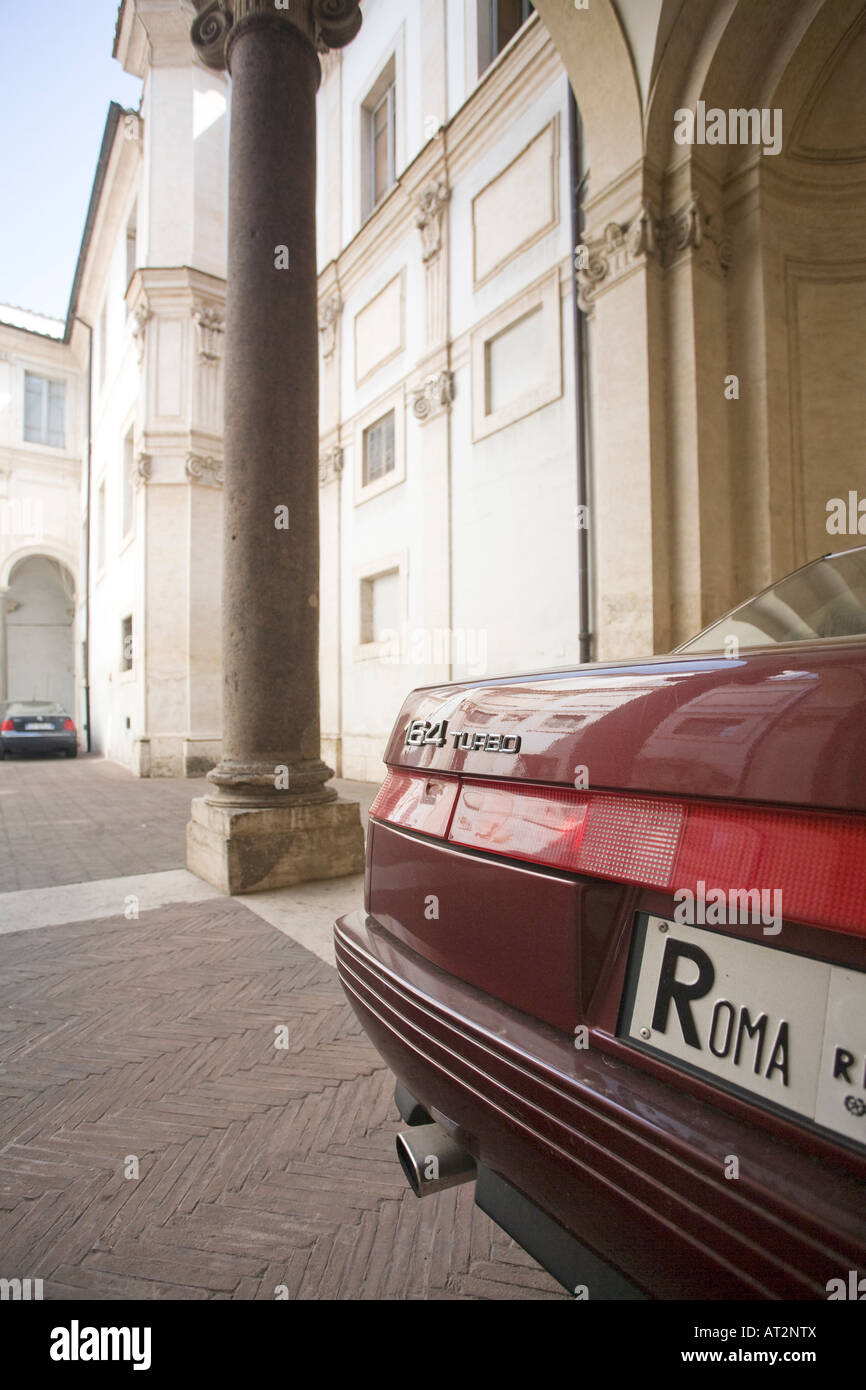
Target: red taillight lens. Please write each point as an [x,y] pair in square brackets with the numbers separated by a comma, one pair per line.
[416,802]
[815,860]
[70,726]
[535,823]
[7,726]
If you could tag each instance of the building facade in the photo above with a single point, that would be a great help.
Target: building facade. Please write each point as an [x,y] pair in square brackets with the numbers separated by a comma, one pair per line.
[41,443]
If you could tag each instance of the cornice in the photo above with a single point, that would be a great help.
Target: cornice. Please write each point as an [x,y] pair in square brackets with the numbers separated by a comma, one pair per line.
[501,96]
[122,169]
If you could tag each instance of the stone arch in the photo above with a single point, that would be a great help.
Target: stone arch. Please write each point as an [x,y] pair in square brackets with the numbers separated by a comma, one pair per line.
[39,618]
[599,64]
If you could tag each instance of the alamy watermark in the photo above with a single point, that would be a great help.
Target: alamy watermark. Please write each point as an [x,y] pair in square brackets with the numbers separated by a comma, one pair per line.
[736,126]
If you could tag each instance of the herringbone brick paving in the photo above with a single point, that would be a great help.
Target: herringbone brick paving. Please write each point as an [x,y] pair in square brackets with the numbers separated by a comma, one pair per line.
[259,1166]
[79,820]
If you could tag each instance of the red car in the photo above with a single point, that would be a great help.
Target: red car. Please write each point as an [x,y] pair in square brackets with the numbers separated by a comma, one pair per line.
[614,950]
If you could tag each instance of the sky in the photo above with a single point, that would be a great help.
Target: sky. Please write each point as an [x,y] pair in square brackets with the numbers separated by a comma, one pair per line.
[57,77]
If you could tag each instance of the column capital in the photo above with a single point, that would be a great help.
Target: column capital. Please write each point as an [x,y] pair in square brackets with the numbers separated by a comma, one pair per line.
[326,23]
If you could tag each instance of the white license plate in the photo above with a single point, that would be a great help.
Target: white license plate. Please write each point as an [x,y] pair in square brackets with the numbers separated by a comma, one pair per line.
[787,1030]
[38,726]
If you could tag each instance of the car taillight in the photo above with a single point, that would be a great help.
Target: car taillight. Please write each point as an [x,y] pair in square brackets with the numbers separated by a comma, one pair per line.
[70,726]
[815,860]
[416,802]
[7,727]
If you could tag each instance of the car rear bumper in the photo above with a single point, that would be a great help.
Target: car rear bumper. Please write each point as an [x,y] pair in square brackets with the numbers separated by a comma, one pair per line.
[588,1139]
[37,742]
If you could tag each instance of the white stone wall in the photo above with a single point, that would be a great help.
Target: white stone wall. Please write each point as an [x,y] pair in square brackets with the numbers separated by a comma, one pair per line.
[40,518]
[478,517]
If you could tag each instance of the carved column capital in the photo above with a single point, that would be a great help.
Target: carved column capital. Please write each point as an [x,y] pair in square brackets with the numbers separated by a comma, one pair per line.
[692,228]
[325,23]
[140,319]
[434,396]
[210,325]
[330,465]
[132,126]
[204,469]
[430,204]
[329,313]
[601,261]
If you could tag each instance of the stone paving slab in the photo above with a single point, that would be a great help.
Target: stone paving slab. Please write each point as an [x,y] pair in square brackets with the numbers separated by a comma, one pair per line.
[148,1046]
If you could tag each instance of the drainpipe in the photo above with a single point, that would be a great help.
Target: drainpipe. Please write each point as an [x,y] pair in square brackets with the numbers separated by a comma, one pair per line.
[581,385]
[85,684]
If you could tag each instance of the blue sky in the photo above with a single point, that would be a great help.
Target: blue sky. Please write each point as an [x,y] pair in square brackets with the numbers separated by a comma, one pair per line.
[57,77]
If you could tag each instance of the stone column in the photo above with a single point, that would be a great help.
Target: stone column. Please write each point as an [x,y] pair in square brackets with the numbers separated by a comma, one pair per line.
[271,820]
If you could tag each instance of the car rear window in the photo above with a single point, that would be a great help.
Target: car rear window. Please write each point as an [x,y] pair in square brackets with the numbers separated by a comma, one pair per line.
[824,599]
[37,707]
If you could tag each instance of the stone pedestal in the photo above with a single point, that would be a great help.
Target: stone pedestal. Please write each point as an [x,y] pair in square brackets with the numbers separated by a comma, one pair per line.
[248,849]
[271,820]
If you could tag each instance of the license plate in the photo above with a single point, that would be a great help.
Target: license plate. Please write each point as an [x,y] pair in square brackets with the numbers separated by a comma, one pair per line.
[787,1031]
[38,726]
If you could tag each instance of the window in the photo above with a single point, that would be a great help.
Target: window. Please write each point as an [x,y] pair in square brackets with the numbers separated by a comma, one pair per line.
[100,527]
[44,411]
[102,336]
[382,146]
[379,446]
[126,643]
[128,486]
[498,22]
[380,606]
[381,586]
[131,247]
[379,449]
[379,155]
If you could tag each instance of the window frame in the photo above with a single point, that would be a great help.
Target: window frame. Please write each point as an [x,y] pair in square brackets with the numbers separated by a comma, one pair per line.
[385,84]
[364,575]
[488,31]
[43,441]
[389,97]
[127,486]
[546,294]
[126,663]
[392,401]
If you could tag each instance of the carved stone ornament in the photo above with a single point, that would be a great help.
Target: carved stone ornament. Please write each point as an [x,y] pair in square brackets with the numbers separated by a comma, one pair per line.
[619,249]
[691,228]
[326,23]
[329,313]
[204,469]
[131,125]
[435,395]
[210,325]
[430,204]
[330,465]
[142,470]
[140,319]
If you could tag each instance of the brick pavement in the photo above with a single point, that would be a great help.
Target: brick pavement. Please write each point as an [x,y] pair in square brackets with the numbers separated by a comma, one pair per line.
[153,1038]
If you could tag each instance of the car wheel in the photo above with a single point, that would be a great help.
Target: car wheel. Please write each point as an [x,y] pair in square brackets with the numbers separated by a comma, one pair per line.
[72,752]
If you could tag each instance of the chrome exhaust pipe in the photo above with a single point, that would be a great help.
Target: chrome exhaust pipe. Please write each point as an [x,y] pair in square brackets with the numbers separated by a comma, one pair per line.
[432,1161]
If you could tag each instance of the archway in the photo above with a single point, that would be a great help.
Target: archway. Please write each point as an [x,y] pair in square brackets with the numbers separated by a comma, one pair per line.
[40,611]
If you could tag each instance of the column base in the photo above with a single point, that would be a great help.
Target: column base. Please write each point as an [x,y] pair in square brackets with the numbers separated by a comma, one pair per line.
[249,849]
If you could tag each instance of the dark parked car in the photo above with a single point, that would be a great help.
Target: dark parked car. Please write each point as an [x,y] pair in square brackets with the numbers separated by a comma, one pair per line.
[614,950]
[36,726]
